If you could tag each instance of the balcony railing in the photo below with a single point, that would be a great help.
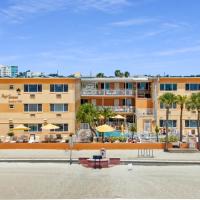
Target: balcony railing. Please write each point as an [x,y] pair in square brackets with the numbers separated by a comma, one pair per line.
[86,92]
[126,109]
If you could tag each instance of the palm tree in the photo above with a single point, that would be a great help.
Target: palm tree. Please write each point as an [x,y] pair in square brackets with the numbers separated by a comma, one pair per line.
[100,75]
[118,73]
[126,74]
[181,101]
[88,113]
[193,103]
[167,99]
[106,113]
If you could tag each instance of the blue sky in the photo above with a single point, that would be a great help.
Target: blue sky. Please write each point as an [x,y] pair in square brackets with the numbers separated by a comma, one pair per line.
[91,36]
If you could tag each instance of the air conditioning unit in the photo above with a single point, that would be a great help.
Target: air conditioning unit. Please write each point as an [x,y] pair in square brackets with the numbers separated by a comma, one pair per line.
[58,115]
[194,111]
[32,115]
[32,96]
[58,96]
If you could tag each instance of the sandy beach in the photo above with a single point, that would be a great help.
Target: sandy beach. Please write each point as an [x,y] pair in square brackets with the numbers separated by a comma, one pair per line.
[51,180]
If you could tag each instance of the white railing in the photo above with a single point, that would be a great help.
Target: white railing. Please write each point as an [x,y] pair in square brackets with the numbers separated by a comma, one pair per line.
[107,92]
[119,108]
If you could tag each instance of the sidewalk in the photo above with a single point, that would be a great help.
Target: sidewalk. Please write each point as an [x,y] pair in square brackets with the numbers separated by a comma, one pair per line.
[124,155]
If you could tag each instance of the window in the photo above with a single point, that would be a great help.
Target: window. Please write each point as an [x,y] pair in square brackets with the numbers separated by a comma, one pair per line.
[191,123]
[171,123]
[63,127]
[168,87]
[84,101]
[192,86]
[59,88]
[107,86]
[102,86]
[34,127]
[173,106]
[32,107]
[32,88]
[58,107]
[143,86]
[11,87]
[129,86]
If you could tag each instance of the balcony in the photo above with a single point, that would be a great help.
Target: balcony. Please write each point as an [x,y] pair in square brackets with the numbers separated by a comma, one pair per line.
[86,92]
[122,109]
[144,94]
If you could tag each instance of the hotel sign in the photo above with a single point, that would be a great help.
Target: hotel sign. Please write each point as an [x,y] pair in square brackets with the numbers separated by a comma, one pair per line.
[11,98]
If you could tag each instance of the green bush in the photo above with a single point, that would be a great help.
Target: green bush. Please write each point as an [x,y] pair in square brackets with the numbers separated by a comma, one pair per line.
[121,139]
[11,134]
[171,138]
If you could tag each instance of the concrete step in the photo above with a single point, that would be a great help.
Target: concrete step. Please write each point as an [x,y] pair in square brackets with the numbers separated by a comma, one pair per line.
[177,150]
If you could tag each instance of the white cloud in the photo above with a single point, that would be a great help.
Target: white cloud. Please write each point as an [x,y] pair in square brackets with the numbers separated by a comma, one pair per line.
[133,22]
[179,51]
[19,10]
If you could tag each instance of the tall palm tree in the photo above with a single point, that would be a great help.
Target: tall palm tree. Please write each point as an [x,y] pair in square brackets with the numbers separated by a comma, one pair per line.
[106,113]
[193,103]
[181,101]
[167,99]
[88,113]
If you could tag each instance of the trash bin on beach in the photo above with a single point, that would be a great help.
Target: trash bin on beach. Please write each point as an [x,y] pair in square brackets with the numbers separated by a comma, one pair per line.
[103,153]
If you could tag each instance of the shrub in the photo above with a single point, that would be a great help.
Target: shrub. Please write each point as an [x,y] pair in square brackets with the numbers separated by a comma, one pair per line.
[11,134]
[171,138]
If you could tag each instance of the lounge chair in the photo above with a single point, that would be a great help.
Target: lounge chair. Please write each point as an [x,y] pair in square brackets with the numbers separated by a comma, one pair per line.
[7,140]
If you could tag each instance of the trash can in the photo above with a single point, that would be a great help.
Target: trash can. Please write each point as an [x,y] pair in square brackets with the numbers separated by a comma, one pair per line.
[103,153]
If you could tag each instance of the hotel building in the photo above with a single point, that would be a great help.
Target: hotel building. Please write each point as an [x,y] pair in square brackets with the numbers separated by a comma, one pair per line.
[36,101]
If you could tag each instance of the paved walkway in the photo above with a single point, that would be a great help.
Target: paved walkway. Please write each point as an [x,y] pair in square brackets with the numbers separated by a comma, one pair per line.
[159,155]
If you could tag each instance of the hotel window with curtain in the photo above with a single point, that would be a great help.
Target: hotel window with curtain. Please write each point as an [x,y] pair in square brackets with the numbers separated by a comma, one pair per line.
[168,87]
[32,88]
[32,107]
[171,123]
[192,86]
[34,127]
[191,123]
[58,88]
[58,107]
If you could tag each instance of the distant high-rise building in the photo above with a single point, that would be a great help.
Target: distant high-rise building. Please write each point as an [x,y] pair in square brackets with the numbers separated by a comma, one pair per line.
[8,71]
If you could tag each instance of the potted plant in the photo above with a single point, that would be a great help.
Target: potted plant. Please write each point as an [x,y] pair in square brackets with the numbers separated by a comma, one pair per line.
[133,129]
[10,134]
[157,131]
